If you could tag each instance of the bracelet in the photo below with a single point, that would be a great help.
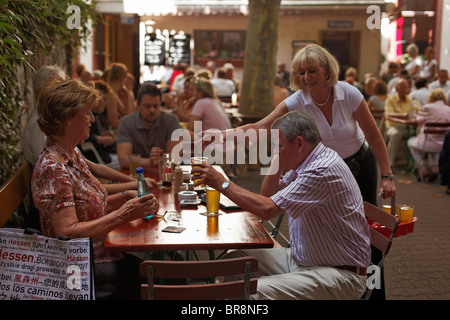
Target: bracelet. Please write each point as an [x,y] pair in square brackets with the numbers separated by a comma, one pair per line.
[124,194]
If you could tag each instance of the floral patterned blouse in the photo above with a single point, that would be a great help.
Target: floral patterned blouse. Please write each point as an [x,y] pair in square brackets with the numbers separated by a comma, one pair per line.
[60,181]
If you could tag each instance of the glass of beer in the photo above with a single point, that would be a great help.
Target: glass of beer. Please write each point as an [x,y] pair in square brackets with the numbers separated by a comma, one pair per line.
[195,160]
[212,201]
[134,161]
[387,208]
[406,213]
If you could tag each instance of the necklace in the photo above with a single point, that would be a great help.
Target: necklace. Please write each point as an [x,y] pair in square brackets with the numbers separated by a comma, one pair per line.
[324,103]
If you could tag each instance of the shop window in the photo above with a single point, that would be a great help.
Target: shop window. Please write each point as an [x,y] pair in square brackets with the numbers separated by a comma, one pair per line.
[219,45]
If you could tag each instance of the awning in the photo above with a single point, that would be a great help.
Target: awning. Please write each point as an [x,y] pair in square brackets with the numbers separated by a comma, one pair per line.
[217,7]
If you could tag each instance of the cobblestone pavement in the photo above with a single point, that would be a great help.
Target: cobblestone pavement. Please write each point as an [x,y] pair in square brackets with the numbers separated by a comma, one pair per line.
[418,263]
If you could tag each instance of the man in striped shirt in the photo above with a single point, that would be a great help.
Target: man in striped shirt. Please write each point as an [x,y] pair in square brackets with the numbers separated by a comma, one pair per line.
[330,239]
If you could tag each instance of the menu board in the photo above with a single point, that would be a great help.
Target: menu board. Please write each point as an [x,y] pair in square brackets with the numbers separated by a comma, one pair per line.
[155,50]
[179,49]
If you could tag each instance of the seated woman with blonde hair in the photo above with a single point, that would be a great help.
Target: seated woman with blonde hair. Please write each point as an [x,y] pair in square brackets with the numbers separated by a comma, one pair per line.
[116,78]
[70,200]
[435,111]
[209,112]
[207,108]
[182,105]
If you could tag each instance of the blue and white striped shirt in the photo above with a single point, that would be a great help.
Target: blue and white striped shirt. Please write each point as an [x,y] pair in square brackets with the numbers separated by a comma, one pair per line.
[327,225]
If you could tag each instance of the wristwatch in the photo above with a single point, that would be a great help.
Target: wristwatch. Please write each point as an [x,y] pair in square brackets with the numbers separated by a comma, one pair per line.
[390,177]
[225,185]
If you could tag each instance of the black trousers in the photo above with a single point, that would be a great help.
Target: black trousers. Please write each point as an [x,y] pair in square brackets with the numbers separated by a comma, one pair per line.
[364,168]
[444,162]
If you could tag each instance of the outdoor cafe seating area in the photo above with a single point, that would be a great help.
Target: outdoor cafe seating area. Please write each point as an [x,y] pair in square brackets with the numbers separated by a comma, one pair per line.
[204,238]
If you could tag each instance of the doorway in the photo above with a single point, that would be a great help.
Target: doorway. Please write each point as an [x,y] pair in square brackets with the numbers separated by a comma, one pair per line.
[345,46]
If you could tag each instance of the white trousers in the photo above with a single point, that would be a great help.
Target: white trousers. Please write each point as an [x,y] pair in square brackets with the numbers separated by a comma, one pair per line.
[280,278]
[420,156]
[395,134]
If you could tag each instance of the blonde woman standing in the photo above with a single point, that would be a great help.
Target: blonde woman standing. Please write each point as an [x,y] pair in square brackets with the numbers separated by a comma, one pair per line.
[342,116]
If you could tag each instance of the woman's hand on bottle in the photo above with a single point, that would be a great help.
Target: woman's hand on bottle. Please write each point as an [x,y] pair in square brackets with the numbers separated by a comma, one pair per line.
[139,207]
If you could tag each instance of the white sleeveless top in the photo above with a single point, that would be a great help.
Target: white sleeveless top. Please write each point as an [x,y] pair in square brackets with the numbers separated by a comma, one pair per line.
[344,135]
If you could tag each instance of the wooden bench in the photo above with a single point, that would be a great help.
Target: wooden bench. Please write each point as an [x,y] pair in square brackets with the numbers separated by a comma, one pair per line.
[13,191]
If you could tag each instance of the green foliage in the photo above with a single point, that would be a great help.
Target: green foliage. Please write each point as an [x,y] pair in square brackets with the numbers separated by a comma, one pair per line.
[25,27]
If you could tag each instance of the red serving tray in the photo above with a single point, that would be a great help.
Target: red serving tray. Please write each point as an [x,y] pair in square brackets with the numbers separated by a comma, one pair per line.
[402,230]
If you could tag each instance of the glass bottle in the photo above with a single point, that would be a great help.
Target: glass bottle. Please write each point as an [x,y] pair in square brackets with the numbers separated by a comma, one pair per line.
[165,171]
[142,186]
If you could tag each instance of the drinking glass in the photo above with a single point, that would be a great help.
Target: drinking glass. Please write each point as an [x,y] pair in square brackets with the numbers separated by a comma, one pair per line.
[406,213]
[195,160]
[212,201]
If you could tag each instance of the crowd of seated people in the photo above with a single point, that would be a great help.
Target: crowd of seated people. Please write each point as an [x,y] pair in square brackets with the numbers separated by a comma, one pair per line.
[409,86]
[125,106]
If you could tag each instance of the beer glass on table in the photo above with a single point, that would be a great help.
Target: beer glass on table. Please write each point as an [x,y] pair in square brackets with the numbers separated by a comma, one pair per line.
[212,201]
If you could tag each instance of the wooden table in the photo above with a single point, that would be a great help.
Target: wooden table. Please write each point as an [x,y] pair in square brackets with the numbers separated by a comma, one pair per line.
[230,230]
[410,123]
[407,121]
